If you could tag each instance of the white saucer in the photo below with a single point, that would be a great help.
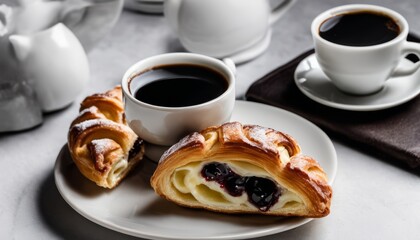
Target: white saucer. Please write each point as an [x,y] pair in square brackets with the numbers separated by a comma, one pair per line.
[146,6]
[253,51]
[310,79]
[133,207]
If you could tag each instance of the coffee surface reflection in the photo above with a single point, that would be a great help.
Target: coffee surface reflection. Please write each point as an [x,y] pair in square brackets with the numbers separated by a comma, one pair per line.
[179,85]
[364,28]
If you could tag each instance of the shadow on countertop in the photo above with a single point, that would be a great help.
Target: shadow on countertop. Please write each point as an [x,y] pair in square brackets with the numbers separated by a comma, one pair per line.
[65,222]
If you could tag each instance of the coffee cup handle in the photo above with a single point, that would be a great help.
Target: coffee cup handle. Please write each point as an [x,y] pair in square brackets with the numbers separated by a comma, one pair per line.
[280,9]
[409,48]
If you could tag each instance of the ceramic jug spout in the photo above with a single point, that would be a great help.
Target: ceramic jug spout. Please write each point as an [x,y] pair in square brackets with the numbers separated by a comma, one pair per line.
[22,46]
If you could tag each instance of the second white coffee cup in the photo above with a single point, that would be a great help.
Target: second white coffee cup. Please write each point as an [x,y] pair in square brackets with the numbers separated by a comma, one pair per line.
[363,70]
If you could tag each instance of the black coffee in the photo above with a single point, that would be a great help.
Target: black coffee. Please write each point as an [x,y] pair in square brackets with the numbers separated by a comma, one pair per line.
[359,29]
[179,85]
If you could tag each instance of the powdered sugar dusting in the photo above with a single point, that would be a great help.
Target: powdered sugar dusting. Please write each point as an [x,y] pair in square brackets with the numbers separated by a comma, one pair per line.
[188,140]
[258,134]
[92,109]
[82,126]
[101,145]
[259,137]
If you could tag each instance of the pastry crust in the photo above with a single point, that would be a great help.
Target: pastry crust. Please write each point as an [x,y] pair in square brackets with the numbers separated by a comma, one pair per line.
[101,144]
[251,151]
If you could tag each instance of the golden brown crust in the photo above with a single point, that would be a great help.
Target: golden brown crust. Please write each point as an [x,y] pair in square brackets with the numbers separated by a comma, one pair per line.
[109,103]
[260,147]
[100,142]
[311,179]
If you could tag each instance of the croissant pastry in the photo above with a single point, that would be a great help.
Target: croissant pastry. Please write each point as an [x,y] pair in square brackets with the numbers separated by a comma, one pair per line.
[236,168]
[101,144]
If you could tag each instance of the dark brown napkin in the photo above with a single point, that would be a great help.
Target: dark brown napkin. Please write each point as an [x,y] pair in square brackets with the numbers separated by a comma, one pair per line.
[393,133]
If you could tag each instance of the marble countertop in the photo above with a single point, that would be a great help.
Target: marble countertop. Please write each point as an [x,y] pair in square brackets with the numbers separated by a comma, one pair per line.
[373,198]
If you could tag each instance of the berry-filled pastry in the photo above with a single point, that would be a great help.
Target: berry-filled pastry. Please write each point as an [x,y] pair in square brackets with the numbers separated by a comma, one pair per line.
[101,144]
[235,168]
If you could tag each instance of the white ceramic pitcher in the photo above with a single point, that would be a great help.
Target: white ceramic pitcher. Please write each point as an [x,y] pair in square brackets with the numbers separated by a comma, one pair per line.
[54,62]
[43,62]
[236,29]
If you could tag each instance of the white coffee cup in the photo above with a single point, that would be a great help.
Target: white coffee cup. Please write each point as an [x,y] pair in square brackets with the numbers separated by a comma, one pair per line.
[236,29]
[165,126]
[363,70]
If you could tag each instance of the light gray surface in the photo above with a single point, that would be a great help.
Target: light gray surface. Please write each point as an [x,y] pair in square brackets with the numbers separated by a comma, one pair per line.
[373,199]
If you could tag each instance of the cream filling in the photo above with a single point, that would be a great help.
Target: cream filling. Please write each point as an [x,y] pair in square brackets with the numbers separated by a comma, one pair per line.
[116,171]
[188,180]
[284,155]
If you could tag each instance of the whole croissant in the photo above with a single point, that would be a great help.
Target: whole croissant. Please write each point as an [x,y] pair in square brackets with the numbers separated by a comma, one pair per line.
[101,144]
[235,168]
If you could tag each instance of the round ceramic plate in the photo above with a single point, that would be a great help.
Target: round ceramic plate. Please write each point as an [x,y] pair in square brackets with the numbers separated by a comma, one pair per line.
[134,209]
[312,82]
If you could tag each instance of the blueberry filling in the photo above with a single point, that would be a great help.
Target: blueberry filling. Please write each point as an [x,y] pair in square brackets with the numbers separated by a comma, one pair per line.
[235,185]
[216,172]
[135,149]
[262,192]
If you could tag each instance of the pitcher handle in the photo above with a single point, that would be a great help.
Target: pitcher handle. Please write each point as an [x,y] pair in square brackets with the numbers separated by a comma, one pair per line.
[72,11]
[91,20]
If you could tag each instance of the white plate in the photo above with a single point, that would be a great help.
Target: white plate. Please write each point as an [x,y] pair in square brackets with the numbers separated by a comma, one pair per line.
[134,209]
[310,79]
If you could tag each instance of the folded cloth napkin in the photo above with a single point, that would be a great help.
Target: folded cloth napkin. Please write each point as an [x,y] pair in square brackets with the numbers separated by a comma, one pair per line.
[393,133]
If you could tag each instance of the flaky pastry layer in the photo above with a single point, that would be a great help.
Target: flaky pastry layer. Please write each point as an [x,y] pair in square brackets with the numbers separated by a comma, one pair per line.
[249,151]
[102,146]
